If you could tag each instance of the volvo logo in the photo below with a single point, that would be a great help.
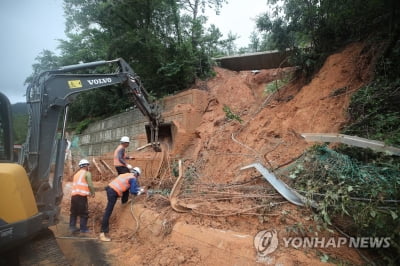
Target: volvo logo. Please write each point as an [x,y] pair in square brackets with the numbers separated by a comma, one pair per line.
[99,81]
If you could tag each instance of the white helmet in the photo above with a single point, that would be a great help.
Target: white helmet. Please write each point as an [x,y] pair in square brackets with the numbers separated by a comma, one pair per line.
[137,170]
[125,139]
[83,163]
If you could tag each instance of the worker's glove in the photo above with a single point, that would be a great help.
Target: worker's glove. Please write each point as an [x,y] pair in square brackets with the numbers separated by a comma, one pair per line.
[141,191]
[129,166]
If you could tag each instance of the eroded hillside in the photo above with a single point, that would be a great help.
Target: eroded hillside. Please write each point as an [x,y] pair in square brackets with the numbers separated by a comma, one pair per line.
[225,207]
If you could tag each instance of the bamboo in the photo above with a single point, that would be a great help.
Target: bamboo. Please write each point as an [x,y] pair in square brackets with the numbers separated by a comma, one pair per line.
[97,166]
[108,167]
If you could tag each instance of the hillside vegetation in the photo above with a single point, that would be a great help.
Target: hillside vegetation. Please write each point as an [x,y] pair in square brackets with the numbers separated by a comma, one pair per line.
[20,122]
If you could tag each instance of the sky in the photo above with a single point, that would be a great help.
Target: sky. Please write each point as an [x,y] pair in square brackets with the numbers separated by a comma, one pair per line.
[29,26]
[238,16]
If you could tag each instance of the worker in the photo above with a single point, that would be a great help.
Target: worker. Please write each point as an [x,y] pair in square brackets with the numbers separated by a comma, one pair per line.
[82,187]
[123,182]
[120,164]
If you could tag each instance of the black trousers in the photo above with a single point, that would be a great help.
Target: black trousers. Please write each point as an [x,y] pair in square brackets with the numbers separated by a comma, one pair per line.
[79,206]
[122,169]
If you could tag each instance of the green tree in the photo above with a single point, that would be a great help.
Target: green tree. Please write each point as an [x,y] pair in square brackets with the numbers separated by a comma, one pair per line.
[255,43]
[323,26]
[165,42]
[45,61]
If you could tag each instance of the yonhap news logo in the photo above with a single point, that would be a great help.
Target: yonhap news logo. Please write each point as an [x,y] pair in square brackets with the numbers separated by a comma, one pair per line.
[336,242]
[266,242]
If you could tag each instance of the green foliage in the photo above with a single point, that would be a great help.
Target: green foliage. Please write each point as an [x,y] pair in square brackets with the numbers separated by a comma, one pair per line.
[152,36]
[230,115]
[102,102]
[363,194]
[323,26]
[45,61]
[275,85]
[82,125]
[20,124]
[374,110]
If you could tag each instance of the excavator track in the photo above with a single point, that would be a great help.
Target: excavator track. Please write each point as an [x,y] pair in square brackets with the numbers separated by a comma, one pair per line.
[42,250]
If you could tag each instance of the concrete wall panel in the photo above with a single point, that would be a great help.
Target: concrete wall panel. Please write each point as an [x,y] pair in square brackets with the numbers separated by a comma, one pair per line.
[103,136]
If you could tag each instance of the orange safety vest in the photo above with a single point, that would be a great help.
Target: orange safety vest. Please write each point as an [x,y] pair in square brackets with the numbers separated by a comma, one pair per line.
[116,160]
[121,183]
[80,185]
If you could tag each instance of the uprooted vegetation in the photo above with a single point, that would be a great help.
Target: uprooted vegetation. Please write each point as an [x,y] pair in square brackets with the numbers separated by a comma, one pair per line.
[354,197]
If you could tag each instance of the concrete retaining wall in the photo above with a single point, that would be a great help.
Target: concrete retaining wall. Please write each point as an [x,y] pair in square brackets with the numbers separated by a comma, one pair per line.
[184,110]
[261,60]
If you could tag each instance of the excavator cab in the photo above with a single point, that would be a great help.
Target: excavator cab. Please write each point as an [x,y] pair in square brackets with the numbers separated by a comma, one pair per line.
[6,142]
[19,217]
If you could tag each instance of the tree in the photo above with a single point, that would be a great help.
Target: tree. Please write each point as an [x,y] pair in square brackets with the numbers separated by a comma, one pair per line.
[229,43]
[157,37]
[45,61]
[325,25]
[167,46]
[254,45]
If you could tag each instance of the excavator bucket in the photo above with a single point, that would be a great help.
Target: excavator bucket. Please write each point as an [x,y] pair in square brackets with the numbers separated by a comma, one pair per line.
[164,135]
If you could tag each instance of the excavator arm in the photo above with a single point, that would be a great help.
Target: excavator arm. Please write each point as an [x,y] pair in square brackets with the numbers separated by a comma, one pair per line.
[48,97]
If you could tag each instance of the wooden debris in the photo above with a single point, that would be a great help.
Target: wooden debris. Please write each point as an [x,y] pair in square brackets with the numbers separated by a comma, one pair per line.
[108,167]
[97,167]
[175,191]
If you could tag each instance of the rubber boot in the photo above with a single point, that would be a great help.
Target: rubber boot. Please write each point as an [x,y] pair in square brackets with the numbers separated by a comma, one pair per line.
[83,222]
[72,224]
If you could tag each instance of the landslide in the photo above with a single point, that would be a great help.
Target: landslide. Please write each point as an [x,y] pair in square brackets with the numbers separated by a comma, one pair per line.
[270,134]
[272,123]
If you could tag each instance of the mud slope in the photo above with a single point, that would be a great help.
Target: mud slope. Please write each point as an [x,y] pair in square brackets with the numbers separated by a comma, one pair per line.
[270,134]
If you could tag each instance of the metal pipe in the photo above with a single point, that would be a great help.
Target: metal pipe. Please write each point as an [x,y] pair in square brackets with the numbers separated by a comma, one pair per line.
[65,121]
[82,66]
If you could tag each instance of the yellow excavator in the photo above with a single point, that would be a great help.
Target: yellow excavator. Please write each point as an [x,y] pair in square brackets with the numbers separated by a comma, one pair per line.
[31,185]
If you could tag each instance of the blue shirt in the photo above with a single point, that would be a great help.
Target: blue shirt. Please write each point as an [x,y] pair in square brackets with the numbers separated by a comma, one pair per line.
[134,187]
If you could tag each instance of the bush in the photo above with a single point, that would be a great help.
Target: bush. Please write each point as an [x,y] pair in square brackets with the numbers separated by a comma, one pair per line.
[361,198]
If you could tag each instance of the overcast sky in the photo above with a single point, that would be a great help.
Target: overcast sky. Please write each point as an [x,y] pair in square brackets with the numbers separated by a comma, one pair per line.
[29,26]
[238,16]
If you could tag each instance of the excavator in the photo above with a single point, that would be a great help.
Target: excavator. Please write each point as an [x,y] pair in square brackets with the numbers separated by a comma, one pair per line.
[31,185]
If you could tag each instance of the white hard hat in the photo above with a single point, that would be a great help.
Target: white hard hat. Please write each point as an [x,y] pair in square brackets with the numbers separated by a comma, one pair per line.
[137,170]
[83,163]
[125,139]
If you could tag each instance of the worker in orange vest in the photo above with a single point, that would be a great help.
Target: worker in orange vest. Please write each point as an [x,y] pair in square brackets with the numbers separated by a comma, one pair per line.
[126,182]
[82,187]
